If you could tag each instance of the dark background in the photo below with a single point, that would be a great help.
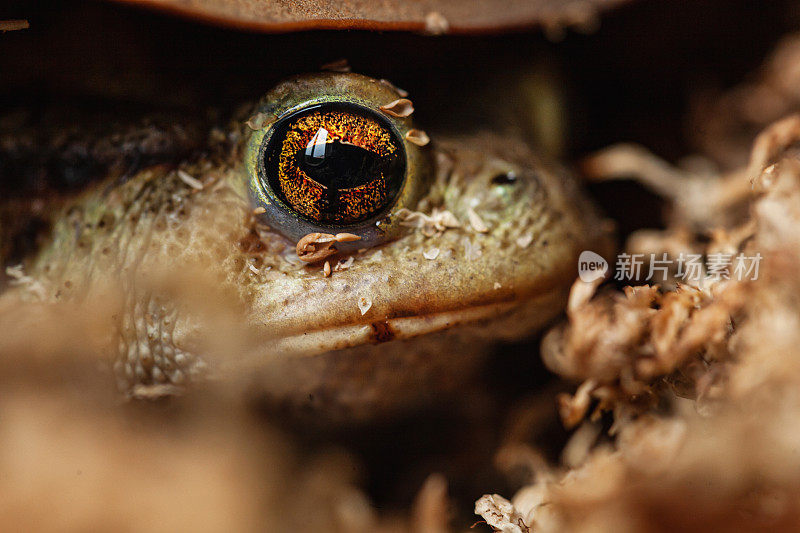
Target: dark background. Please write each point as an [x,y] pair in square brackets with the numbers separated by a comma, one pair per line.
[632,80]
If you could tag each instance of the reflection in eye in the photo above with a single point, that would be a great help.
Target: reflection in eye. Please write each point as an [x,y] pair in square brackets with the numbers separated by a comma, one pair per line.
[335,163]
[316,149]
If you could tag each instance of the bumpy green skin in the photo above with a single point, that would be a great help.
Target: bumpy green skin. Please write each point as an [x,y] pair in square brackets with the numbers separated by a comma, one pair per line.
[311,339]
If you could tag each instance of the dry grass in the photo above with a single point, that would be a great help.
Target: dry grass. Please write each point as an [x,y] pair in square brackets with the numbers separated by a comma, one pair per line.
[701,383]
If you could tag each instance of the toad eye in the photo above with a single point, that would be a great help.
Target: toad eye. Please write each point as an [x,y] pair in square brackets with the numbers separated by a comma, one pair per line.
[335,163]
[327,154]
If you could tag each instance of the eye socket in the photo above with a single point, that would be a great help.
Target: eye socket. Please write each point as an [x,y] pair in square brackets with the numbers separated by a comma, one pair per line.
[334,163]
[327,153]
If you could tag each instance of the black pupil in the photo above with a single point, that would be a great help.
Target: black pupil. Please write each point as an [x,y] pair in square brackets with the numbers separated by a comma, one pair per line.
[338,165]
[358,183]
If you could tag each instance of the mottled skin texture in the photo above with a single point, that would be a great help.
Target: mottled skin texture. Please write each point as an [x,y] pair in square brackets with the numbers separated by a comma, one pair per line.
[171,252]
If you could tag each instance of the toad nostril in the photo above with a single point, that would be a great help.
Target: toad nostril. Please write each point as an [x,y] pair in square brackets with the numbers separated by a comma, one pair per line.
[504,178]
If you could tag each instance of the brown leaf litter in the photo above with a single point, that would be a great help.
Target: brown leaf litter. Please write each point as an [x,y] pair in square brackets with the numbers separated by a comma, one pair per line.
[699,381]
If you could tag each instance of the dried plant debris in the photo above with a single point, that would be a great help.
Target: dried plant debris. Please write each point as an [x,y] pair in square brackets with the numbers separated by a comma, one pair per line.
[500,514]
[698,377]
[429,225]
[431,511]
[642,333]
[418,137]
[315,247]
[400,108]
[700,200]
[724,123]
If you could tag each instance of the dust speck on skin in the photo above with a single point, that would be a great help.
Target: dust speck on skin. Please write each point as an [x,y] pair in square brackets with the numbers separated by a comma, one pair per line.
[471,251]
[253,269]
[431,254]
[437,222]
[525,240]
[400,108]
[190,180]
[476,221]
[344,265]
[436,24]
[364,305]
[497,286]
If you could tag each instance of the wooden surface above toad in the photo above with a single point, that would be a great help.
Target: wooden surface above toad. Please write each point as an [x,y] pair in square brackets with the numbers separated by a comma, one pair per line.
[431,16]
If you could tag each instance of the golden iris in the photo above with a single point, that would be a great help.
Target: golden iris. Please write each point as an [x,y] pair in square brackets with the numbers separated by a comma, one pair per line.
[335,163]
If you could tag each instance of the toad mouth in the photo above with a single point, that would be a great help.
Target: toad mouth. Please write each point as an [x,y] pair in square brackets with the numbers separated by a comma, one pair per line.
[314,342]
